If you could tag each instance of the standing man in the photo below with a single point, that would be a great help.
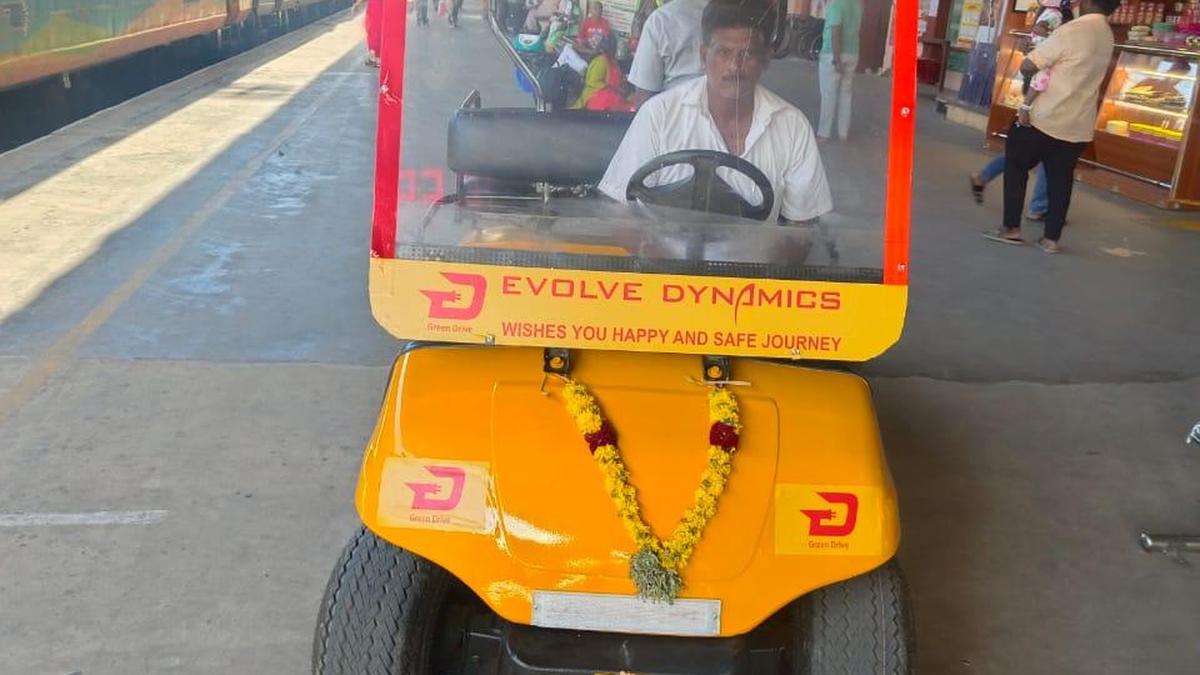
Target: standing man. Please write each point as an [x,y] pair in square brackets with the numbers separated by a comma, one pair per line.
[668,51]
[839,58]
[1059,123]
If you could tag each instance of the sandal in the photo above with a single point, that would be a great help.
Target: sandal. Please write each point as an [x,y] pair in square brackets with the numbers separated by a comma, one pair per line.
[1048,246]
[1004,237]
[976,189]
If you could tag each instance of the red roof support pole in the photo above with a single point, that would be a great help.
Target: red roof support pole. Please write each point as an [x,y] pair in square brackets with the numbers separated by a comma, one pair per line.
[898,209]
[388,125]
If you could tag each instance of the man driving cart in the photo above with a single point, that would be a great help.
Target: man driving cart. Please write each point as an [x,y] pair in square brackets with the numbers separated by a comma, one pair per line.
[728,111]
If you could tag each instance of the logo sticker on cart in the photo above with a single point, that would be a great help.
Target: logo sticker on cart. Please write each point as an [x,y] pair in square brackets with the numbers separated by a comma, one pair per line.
[827,520]
[461,300]
[434,494]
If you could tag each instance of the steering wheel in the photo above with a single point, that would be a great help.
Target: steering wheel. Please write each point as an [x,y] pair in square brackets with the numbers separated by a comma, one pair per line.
[704,191]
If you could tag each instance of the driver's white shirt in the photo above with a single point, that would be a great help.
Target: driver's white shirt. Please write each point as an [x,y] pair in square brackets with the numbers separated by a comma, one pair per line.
[780,143]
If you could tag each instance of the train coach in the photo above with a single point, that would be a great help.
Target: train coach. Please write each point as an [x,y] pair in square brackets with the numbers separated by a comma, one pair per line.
[47,38]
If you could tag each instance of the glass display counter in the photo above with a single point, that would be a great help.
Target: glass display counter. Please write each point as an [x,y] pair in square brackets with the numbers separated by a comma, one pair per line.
[1006,92]
[1010,82]
[1146,112]
[1145,146]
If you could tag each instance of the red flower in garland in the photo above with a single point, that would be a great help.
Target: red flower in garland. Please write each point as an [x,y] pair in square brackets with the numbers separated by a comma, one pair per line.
[723,435]
[606,435]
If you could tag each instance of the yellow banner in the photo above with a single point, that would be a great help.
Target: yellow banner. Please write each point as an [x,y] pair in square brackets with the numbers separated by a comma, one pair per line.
[486,304]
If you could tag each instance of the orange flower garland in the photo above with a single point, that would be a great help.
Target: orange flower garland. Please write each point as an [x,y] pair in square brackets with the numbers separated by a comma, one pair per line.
[657,566]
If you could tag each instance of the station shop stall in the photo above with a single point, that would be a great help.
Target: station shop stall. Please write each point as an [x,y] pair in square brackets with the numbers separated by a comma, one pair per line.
[1145,147]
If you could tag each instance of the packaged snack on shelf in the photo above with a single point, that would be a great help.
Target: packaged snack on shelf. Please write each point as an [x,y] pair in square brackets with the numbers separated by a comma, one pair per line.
[1117,127]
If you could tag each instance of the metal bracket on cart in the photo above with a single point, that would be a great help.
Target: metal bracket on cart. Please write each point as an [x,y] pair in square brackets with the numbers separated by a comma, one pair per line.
[556,361]
[717,369]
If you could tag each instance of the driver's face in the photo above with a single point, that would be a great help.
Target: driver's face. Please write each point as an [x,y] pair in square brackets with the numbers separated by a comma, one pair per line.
[734,60]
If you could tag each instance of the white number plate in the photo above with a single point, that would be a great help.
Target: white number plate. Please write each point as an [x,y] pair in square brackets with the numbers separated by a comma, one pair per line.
[625,614]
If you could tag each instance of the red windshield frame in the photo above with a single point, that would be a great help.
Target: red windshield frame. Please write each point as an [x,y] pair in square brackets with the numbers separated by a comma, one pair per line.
[897,208]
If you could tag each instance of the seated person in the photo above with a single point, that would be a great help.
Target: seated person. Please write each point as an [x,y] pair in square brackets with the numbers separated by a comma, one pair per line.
[603,83]
[727,110]
[573,57]
[595,23]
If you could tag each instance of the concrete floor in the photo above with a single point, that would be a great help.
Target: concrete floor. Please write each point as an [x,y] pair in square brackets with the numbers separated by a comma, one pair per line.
[184,329]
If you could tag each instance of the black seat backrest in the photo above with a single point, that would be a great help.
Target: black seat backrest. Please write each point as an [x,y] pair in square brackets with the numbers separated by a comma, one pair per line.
[569,147]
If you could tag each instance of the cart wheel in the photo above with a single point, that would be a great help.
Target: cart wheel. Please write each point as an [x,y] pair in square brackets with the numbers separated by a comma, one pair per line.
[379,613]
[861,625]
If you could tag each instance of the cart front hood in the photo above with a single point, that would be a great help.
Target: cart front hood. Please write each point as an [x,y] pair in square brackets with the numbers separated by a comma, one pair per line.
[476,464]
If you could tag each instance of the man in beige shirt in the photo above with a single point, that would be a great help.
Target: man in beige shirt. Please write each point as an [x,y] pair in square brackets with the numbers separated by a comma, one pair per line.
[1058,125]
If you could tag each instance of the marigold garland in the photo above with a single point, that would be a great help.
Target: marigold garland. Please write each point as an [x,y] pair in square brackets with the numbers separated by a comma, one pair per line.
[657,566]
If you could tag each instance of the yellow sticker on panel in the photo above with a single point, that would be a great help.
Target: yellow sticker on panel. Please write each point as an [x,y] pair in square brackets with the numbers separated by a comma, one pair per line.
[827,520]
[434,494]
[471,303]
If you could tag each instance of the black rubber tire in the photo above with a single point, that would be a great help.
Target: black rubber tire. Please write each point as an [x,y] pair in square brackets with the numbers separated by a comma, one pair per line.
[379,613]
[861,625]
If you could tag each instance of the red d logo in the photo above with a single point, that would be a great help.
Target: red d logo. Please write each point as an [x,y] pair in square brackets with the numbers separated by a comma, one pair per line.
[462,303]
[429,497]
[820,520]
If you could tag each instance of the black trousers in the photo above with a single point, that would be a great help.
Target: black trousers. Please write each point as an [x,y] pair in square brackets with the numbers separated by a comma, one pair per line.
[1024,149]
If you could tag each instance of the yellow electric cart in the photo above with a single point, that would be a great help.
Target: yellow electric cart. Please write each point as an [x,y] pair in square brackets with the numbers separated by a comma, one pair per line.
[623,436]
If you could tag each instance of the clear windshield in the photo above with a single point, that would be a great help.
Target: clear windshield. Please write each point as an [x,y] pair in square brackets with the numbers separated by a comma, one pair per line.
[486,178]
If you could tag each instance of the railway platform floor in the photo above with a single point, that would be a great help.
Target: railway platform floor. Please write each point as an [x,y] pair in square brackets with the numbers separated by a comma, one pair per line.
[189,371]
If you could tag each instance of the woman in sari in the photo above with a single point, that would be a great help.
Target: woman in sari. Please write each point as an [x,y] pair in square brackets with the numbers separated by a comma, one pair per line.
[603,83]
